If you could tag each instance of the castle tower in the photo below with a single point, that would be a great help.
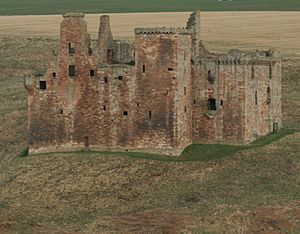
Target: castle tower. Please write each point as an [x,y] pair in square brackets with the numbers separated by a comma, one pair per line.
[105,41]
[194,25]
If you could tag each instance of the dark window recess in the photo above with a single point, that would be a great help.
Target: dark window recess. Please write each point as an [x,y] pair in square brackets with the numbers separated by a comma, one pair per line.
[184,90]
[109,56]
[255,97]
[53,74]
[194,101]
[252,71]
[90,51]
[210,77]
[61,111]
[221,103]
[43,85]
[270,72]
[138,104]
[120,77]
[184,109]
[71,48]
[86,141]
[92,72]
[170,69]
[72,72]
[212,104]
[105,79]
[104,107]
[268,96]
[150,114]
[144,68]
[125,113]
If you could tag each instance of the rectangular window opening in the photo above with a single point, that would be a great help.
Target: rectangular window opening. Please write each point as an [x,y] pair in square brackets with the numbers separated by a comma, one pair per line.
[150,114]
[125,113]
[105,79]
[61,111]
[212,104]
[144,68]
[53,74]
[120,77]
[104,108]
[170,69]
[72,72]
[184,91]
[270,72]
[92,73]
[43,85]
[184,109]
[256,102]
[71,48]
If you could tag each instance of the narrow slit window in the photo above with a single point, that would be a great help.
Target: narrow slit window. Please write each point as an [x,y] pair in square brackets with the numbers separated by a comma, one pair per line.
[150,114]
[194,101]
[184,109]
[184,90]
[212,104]
[222,103]
[71,48]
[92,73]
[61,111]
[43,85]
[72,72]
[104,108]
[270,72]
[105,79]
[144,68]
[255,96]
[252,71]
[53,74]
[268,96]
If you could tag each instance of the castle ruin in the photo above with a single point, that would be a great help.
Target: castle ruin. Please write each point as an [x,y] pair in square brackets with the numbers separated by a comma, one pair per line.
[159,94]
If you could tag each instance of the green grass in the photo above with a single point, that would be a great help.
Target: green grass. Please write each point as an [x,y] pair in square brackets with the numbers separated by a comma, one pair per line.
[34,7]
[194,152]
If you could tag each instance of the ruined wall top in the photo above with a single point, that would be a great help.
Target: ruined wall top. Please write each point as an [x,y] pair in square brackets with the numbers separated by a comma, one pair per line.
[73,14]
[162,30]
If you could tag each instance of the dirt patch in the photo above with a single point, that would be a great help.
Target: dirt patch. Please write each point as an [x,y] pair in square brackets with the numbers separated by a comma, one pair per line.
[156,221]
[275,220]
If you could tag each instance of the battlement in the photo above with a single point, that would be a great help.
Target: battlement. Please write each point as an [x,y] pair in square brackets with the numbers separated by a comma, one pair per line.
[163,30]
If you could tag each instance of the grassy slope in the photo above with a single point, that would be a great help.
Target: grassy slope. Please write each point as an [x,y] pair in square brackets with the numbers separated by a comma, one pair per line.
[257,188]
[28,7]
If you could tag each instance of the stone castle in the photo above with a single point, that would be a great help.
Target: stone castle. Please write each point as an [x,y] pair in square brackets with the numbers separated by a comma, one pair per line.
[159,94]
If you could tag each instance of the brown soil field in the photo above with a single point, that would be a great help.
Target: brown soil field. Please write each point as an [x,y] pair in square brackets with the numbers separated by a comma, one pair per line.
[244,30]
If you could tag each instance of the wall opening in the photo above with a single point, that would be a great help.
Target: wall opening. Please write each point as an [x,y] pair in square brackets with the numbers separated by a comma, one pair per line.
[252,71]
[104,108]
[212,104]
[150,114]
[210,77]
[61,111]
[221,103]
[170,69]
[53,74]
[184,90]
[125,113]
[138,104]
[109,56]
[270,71]
[268,96]
[256,102]
[275,127]
[194,101]
[120,77]
[86,142]
[43,85]
[105,79]
[144,68]
[184,109]
[72,72]
[71,48]
[92,72]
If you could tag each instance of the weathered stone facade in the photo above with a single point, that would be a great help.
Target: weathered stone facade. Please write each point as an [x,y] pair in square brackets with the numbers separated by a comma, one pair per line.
[159,94]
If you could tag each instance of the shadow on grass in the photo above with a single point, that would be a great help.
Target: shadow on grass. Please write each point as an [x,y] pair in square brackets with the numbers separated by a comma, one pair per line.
[194,152]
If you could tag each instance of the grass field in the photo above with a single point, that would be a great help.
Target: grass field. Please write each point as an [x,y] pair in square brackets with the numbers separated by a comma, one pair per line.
[41,7]
[253,189]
